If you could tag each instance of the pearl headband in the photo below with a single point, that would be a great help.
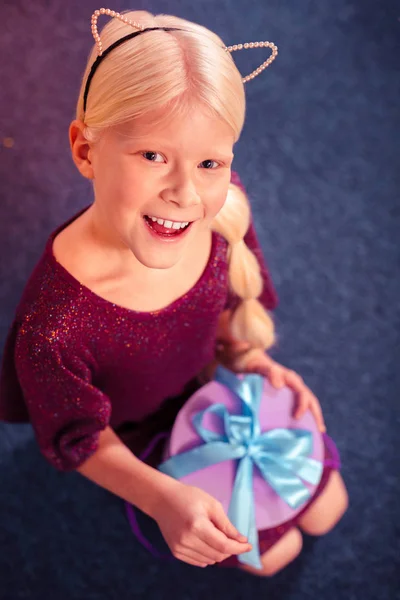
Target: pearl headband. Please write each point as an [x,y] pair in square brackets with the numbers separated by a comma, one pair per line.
[102,54]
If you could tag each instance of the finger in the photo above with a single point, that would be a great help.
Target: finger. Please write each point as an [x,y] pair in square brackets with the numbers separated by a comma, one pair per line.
[302,403]
[275,377]
[190,561]
[317,412]
[217,540]
[309,402]
[205,552]
[294,380]
[256,367]
[221,521]
[196,553]
[296,383]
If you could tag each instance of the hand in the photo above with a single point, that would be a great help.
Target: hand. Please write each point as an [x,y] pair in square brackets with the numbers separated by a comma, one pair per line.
[256,361]
[196,528]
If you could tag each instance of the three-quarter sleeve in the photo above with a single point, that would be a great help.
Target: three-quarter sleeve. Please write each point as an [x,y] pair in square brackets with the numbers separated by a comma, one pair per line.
[268,297]
[66,410]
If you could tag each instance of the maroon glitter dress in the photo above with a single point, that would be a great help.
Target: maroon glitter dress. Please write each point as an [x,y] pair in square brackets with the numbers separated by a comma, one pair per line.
[75,363]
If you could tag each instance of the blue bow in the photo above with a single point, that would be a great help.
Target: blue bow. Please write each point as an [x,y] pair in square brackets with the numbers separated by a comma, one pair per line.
[281,455]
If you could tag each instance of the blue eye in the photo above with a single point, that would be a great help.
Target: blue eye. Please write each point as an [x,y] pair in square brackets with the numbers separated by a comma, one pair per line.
[152,153]
[209,161]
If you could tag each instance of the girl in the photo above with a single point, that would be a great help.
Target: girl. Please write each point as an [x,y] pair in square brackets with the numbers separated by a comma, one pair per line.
[129,306]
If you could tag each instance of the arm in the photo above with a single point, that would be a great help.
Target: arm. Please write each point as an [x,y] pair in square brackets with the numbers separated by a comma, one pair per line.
[193,523]
[114,467]
[71,417]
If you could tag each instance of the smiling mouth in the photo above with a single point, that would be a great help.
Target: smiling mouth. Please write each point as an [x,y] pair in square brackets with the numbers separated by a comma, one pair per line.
[166,228]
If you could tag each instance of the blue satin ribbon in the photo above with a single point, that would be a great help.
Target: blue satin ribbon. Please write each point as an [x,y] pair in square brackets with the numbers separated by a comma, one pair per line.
[281,455]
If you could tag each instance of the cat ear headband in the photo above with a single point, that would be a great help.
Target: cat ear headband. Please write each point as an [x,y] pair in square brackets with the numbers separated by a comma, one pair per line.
[102,54]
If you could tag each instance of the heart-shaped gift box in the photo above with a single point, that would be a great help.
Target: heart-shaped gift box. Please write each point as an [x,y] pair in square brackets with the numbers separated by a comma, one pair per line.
[236,438]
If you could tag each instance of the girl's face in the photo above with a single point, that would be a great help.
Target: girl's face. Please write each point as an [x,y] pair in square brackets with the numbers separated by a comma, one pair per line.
[157,188]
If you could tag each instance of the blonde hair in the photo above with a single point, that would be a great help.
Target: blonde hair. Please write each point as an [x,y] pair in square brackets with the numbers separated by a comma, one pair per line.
[250,321]
[172,71]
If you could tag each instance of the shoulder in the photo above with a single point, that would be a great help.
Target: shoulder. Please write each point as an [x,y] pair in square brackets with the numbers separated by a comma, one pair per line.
[50,318]
[48,297]
[47,282]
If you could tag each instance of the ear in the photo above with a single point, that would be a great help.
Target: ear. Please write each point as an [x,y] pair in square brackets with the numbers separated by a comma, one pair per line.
[81,149]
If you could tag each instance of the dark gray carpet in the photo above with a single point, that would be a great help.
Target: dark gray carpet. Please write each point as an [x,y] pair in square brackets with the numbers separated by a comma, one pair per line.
[319,158]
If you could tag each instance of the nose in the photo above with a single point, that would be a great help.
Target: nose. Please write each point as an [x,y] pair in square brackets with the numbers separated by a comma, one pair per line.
[182,191]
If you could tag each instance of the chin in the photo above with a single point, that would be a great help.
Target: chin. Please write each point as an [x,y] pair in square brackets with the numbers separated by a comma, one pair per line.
[156,253]
[157,260]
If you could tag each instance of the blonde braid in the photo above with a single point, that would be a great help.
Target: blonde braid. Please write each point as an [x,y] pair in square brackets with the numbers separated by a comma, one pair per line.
[250,321]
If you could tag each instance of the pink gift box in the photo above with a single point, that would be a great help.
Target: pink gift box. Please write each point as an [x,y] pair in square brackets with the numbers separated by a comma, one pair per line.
[276,410]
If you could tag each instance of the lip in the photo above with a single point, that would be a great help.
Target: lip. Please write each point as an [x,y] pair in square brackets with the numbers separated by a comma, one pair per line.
[168,238]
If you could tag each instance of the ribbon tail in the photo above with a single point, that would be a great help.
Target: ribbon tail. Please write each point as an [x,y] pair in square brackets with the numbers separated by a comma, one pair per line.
[310,470]
[242,511]
[283,481]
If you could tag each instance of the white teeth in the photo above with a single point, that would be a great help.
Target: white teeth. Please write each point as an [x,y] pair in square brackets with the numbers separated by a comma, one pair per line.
[169,224]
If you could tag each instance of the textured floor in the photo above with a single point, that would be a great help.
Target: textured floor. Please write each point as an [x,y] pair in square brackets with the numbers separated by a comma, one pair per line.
[319,157]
